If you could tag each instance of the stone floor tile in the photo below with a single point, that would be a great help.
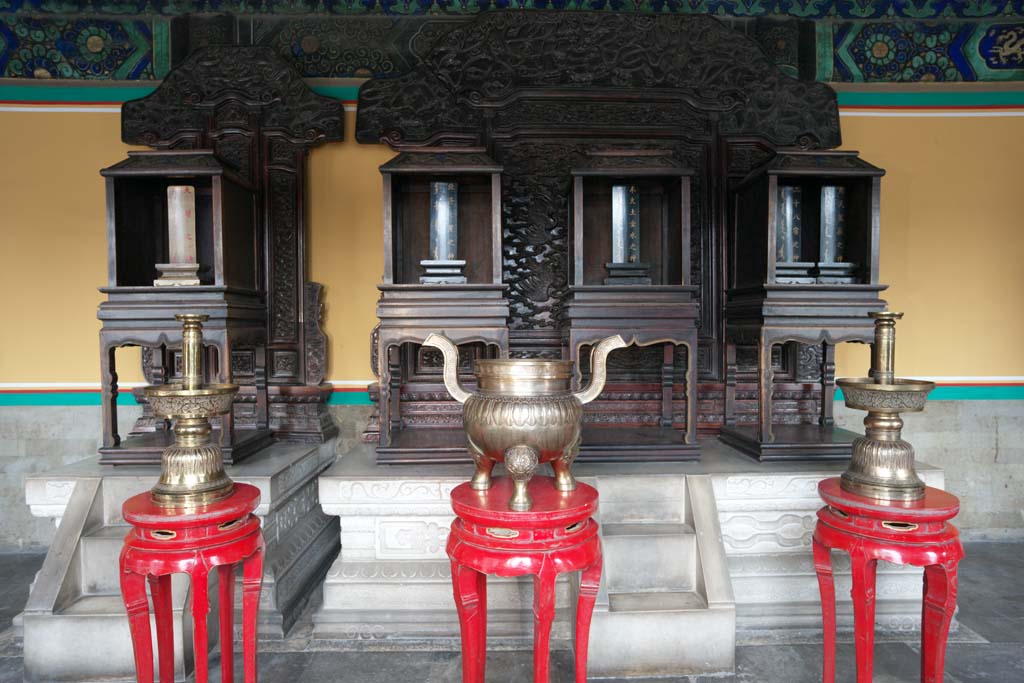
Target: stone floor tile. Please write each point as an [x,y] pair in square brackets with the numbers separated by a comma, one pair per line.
[996,662]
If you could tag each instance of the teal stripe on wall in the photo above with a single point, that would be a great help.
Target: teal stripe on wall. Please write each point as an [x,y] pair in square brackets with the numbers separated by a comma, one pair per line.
[61,93]
[992,392]
[985,98]
[60,398]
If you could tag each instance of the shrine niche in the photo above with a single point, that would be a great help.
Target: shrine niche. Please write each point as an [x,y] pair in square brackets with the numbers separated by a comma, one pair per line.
[249,117]
[543,94]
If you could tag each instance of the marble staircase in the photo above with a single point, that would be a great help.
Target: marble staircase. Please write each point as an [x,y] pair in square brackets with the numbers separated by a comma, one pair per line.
[665,580]
[74,626]
[665,575]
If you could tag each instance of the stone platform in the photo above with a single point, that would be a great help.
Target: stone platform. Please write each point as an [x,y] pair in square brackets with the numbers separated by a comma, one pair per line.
[74,625]
[697,556]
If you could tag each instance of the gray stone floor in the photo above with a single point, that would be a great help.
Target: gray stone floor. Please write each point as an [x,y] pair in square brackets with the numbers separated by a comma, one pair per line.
[991,648]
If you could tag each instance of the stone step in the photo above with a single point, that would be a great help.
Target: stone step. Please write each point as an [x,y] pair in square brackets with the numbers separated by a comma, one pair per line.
[99,550]
[640,498]
[89,639]
[657,634]
[660,601]
[646,557]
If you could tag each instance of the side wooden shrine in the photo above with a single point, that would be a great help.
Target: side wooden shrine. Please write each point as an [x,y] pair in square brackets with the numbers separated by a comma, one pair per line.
[668,117]
[231,127]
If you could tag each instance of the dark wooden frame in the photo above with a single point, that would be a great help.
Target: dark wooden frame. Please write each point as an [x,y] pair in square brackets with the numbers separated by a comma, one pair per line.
[644,315]
[408,312]
[769,313]
[702,93]
[143,315]
[256,112]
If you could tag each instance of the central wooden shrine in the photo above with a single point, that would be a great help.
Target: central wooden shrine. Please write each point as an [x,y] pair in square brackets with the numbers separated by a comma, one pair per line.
[562,177]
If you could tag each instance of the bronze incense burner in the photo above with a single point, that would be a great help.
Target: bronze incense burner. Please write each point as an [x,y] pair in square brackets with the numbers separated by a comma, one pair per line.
[192,468]
[523,413]
[882,463]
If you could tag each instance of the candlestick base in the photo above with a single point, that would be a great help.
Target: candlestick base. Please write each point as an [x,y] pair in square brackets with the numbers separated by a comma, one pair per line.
[628,273]
[443,271]
[177,275]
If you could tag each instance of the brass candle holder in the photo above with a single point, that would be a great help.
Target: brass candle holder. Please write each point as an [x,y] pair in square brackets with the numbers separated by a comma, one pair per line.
[882,464]
[192,469]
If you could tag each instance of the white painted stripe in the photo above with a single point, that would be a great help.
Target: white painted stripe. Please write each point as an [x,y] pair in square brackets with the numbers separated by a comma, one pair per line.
[951,379]
[60,109]
[350,107]
[361,383]
[950,114]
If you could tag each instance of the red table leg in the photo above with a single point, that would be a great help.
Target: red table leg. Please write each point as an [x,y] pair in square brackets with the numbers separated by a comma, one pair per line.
[133,589]
[163,615]
[226,586]
[863,594]
[937,613]
[465,582]
[481,590]
[252,584]
[200,609]
[590,582]
[827,588]
[543,616]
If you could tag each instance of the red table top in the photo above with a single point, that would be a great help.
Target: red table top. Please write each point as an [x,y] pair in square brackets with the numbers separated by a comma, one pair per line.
[141,511]
[551,507]
[936,505]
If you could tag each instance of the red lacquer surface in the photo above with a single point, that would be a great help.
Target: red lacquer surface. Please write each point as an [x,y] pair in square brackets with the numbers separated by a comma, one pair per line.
[914,533]
[556,536]
[164,541]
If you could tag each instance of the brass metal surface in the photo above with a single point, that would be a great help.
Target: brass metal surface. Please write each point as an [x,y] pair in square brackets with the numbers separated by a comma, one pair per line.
[192,469]
[882,463]
[524,413]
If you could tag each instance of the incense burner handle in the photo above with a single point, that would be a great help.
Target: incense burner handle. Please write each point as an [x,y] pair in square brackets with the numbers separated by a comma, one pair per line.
[451,365]
[599,367]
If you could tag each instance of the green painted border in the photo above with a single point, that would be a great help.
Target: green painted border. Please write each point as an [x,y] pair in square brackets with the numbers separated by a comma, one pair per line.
[60,398]
[948,98]
[359,397]
[64,93]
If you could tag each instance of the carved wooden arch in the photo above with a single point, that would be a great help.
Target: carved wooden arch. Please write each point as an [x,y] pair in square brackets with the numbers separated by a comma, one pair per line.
[540,90]
[258,114]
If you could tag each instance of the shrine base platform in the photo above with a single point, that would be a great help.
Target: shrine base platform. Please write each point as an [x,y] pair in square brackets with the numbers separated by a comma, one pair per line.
[697,555]
[74,625]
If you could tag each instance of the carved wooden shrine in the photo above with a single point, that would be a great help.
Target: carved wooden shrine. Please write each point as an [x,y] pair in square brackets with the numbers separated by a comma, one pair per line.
[637,287]
[803,268]
[139,312]
[543,94]
[464,298]
[260,120]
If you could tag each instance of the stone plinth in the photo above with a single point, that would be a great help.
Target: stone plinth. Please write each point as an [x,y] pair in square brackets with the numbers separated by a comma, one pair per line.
[697,555]
[74,624]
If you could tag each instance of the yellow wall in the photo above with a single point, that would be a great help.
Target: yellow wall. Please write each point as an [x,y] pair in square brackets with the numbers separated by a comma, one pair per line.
[952,233]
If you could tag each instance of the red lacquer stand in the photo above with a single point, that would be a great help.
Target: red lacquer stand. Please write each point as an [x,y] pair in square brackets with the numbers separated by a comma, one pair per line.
[556,536]
[194,541]
[914,533]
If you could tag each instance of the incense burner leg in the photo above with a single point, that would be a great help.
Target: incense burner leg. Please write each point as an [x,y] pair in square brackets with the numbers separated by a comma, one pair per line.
[481,480]
[562,465]
[521,462]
